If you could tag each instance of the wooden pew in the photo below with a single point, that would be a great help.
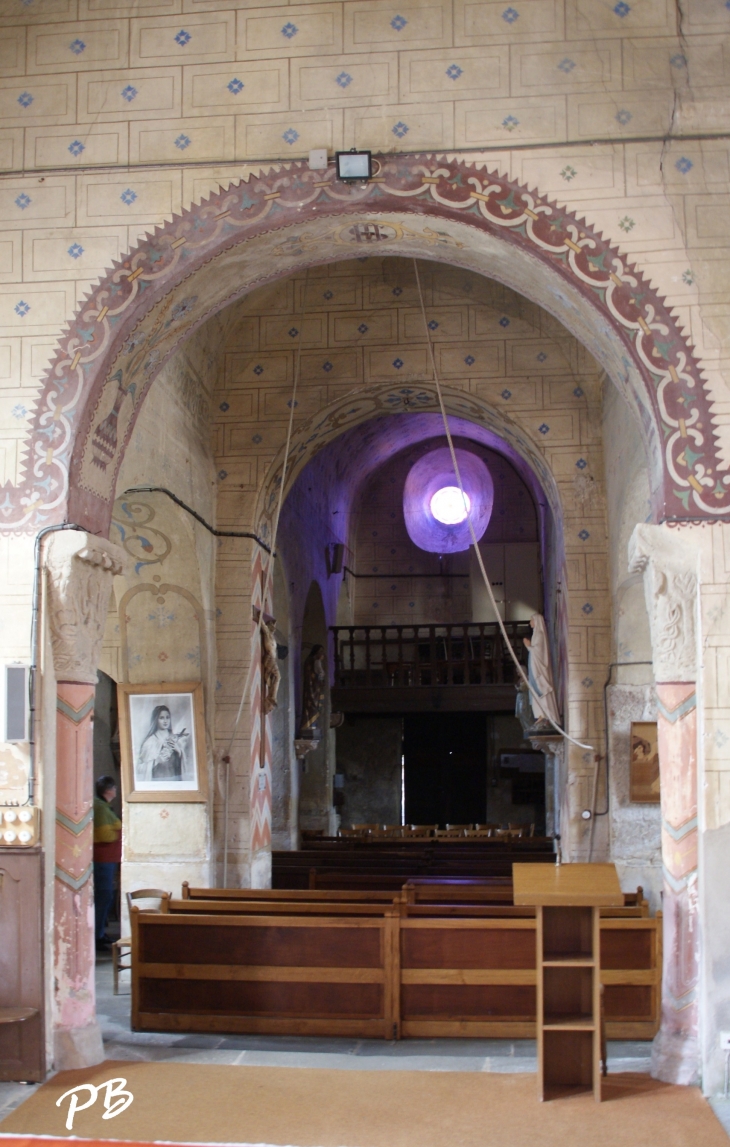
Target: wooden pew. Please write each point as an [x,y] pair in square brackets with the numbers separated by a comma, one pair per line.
[303,895]
[281,907]
[265,974]
[416,970]
[475,976]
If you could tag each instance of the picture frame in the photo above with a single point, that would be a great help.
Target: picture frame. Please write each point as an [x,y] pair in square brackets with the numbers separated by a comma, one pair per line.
[162,742]
[644,763]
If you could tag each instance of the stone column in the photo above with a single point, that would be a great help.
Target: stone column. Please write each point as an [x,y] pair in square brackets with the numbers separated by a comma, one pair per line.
[79,569]
[668,560]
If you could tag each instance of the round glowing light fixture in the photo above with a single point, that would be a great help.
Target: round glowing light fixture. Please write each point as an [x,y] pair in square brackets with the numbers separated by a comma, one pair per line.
[433,507]
[449,506]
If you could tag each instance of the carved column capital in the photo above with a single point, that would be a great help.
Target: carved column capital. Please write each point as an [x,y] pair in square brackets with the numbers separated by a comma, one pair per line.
[79,568]
[668,559]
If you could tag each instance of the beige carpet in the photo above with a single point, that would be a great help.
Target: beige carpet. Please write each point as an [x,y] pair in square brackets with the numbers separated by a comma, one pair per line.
[308,1107]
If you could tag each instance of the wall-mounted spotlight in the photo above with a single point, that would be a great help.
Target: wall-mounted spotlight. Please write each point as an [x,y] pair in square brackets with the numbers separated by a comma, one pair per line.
[353,165]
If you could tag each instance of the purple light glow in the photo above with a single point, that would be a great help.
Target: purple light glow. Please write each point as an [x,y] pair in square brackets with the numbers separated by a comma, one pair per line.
[427,479]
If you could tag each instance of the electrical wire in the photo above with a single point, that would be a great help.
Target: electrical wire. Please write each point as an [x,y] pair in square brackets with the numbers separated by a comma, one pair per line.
[455,464]
[267,583]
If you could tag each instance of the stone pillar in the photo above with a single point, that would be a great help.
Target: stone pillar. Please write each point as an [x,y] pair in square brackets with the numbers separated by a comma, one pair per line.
[79,569]
[668,560]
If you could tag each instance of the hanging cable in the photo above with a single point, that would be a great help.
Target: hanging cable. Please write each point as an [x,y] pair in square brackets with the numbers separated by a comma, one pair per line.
[267,582]
[487,583]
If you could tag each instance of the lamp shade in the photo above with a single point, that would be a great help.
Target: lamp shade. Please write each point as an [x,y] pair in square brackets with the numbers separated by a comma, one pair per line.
[434,473]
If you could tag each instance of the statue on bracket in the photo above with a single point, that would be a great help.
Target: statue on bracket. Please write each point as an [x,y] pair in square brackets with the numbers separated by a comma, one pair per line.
[314,678]
[540,675]
[270,674]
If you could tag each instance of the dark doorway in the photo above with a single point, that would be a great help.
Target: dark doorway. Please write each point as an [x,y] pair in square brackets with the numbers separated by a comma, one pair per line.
[471,768]
[445,768]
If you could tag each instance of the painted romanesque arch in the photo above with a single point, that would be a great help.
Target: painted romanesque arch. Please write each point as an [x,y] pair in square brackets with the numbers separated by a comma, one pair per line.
[265,228]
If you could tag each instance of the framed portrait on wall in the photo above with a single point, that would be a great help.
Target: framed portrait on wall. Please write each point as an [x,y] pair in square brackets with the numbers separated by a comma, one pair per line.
[162,741]
[644,763]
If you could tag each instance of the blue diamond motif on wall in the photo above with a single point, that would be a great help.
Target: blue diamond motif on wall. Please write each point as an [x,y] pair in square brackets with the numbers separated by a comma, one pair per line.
[256,439]
[293,332]
[621,9]
[623,116]
[363,328]
[289,30]
[397,291]
[76,147]
[541,357]
[224,407]
[433,325]
[397,363]
[544,428]
[506,394]
[581,463]
[290,135]
[258,369]
[236,86]
[183,38]
[401,129]
[504,322]
[399,23]
[75,250]
[510,122]
[23,201]
[327,366]
[25,99]
[129,93]
[684,165]
[510,15]
[470,360]
[454,71]
[587,608]
[678,61]
[566,66]
[578,392]
[584,535]
[22,308]
[344,79]
[222,474]
[327,295]
[128,197]
[182,142]
[587,682]
[77,47]
[19,411]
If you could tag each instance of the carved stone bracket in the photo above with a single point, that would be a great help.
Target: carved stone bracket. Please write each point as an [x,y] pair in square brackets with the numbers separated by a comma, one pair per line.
[79,568]
[668,562]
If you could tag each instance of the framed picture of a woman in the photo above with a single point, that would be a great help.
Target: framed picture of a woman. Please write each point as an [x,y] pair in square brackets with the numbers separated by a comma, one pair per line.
[162,740]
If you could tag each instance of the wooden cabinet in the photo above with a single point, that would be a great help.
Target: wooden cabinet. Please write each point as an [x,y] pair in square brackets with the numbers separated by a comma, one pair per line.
[22,1049]
[568,899]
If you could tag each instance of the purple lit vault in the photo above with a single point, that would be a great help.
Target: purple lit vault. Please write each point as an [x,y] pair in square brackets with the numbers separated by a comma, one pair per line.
[430,474]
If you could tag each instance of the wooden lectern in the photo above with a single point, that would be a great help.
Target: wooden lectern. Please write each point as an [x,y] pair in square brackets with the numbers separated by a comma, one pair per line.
[568,899]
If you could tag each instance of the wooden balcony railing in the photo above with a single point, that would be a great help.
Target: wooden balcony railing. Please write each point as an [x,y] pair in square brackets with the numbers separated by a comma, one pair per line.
[393,656]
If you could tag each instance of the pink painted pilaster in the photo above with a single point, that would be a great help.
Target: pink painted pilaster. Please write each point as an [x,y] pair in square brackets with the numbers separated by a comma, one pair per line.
[676,1051]
[78,581]
[74,996]
[261,755]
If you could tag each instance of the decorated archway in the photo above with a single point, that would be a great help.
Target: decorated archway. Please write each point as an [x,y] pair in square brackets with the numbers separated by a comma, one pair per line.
[265,228]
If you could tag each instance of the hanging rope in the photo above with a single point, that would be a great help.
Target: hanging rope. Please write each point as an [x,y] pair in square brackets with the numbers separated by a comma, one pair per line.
[267,581]
[475,544]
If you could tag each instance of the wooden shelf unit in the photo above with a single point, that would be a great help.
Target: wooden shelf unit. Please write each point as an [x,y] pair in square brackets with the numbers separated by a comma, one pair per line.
[568,901]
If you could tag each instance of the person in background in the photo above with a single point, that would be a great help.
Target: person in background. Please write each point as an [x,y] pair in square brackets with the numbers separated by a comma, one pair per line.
[107,856]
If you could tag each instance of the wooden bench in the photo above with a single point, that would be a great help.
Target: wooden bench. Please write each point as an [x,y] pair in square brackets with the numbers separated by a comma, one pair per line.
[287,975]
[411,970]
[282,907]
[302,895]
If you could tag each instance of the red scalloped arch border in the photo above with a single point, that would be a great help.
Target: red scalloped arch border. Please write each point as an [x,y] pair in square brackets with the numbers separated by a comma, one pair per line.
[692,485]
